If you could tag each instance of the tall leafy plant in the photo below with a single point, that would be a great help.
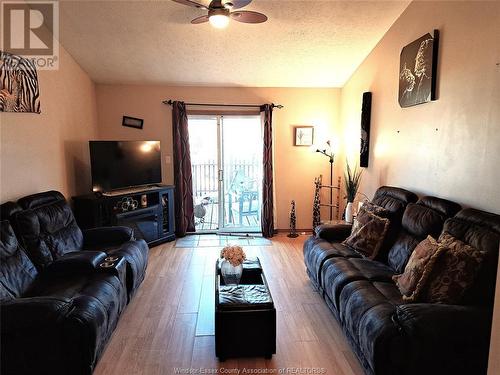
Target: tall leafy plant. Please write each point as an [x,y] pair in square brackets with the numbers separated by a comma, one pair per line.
[352,179]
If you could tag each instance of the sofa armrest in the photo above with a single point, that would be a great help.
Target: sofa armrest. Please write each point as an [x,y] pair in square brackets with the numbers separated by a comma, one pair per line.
[107,236]
[446,338]
[333,232]
[76,261]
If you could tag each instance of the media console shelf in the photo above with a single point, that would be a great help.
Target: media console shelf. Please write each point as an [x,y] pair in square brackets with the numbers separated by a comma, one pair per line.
[152,218]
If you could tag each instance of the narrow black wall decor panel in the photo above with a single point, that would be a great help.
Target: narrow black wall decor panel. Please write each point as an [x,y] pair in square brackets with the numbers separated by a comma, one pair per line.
[366,110]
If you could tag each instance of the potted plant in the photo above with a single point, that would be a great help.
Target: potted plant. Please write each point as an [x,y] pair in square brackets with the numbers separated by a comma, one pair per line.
[352,179]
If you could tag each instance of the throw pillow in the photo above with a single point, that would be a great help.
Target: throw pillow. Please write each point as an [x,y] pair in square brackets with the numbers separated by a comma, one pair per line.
[411,278]
[362,217]
[446,239]
[453,272]
[374,209]
[368,238]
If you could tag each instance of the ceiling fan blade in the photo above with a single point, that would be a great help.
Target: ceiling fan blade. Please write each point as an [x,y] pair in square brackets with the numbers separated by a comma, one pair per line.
[199,20]
[236,4]
[247,16]
[191,3]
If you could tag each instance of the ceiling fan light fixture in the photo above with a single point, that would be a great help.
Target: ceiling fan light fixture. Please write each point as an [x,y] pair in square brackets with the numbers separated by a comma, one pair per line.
[219,18]
[219,21]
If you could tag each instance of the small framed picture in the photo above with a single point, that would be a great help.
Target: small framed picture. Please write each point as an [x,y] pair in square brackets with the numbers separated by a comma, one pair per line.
[132,122]
[303,135]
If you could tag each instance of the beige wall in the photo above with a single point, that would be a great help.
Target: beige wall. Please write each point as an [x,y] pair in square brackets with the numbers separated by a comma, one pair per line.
[295,167]
[50,150]
[449,147]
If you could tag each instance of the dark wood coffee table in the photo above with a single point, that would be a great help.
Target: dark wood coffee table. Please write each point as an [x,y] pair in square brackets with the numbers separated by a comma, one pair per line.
[245,316]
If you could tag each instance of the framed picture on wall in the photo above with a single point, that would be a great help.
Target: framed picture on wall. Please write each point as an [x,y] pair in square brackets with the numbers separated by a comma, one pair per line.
[133,122]
[417,71]
[19,90]
[303,135]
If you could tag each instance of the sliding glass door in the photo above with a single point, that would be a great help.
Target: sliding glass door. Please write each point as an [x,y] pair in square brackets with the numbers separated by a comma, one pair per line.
[242,172]
[226,158]
[205,160]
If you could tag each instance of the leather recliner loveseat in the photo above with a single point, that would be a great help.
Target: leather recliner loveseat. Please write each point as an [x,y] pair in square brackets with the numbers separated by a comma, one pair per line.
[58,307]
[47,229]
[388,335]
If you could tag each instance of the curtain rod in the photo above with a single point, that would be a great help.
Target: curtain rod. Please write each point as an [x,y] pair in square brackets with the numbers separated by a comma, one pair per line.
[170,102]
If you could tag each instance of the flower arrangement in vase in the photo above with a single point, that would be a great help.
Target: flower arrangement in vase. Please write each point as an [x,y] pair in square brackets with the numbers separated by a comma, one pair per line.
[231,266]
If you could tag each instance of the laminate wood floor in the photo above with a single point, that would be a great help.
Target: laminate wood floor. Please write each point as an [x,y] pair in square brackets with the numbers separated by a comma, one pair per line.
[168,327]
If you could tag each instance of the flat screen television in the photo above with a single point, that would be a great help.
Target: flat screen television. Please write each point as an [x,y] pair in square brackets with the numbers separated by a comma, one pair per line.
[124,164]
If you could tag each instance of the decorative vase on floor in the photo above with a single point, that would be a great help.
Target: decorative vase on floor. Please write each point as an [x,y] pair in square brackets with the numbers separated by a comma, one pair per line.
[231,274]
[348,212]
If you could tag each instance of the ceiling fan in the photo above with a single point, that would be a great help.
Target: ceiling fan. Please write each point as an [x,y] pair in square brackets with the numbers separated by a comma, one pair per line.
[220,11]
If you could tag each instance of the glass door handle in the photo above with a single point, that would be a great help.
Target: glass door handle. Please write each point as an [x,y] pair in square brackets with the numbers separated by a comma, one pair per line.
[221,175]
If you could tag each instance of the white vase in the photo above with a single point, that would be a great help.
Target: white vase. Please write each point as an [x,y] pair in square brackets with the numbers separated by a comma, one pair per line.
[348,212]
[230,273]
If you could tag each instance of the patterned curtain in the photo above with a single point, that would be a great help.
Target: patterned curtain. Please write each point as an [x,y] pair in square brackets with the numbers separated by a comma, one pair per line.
[184,216]
[267,217]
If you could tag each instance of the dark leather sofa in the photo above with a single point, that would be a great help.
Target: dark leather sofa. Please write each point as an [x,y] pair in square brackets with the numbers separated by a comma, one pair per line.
[387,335]
[58,307]
[47,229]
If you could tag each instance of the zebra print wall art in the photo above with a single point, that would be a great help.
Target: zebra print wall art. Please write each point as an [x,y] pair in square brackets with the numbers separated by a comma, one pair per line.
[19,90]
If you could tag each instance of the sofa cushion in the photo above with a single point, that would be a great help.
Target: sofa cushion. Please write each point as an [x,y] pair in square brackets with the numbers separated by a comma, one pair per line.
[394,200]
[480,230]
[17,272]
[445,207]
[373,270]
[97,238]
[444,339]
[100,285]
[97,301]
[9,209]
[49,230]
[338,272]
[40,199]
[317,251]
[408,281]
[421,221]
[426,217]
[365,310]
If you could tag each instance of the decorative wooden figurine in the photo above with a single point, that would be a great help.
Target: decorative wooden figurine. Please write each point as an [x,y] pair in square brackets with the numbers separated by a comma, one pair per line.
[293,222]
[316,204]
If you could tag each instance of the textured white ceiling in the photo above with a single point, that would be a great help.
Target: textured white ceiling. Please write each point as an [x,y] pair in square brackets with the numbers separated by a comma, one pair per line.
[303,44]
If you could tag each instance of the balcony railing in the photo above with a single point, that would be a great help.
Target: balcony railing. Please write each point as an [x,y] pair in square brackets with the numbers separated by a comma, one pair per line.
[242,177]
[239,175]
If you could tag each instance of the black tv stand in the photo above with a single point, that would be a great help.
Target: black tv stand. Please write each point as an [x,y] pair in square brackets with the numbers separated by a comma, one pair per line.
[152,219]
